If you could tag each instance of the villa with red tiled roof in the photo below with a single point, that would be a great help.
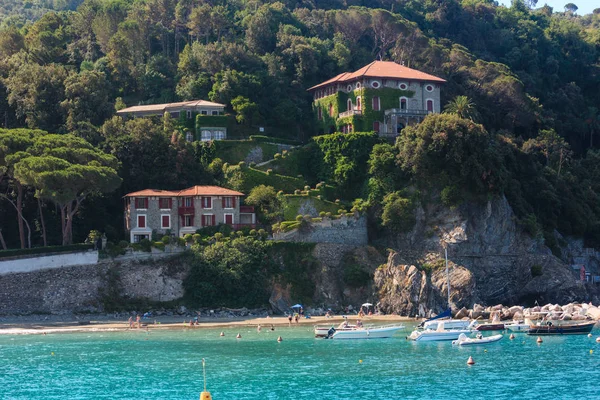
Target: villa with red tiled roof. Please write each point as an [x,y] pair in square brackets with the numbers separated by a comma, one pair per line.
[382,96]
[184,211]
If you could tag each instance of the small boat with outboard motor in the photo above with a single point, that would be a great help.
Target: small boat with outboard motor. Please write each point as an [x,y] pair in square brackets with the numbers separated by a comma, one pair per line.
[561,328]
[324,330]
[464,340]
[367,332]
[518,326]
[439,334]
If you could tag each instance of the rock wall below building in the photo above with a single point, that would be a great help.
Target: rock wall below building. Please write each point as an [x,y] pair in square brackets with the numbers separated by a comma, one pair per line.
[84,288]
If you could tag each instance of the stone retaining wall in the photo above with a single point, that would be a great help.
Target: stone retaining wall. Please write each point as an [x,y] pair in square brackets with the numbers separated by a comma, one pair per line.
[346,230]
[51,261]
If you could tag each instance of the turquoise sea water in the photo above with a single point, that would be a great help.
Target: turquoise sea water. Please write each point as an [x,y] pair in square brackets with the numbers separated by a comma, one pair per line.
[167,365]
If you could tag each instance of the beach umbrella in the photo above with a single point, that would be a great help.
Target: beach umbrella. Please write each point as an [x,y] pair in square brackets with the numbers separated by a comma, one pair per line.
[297,306]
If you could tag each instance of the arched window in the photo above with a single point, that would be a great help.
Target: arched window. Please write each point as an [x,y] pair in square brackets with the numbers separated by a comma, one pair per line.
[349,104]
[403,103]
[429,104]
[358,103]
[376,126]
[376,103]
[206,135]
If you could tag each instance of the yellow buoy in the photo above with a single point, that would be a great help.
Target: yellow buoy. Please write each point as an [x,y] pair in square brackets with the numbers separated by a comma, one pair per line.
[279,339]
[360,361]
[539,339]
[52,353]
[591,351]
[222,334]
[512,336]
[238,336]
[470,361]
[205,395]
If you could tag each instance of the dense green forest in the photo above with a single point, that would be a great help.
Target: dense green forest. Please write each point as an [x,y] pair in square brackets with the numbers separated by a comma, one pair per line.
[530,80]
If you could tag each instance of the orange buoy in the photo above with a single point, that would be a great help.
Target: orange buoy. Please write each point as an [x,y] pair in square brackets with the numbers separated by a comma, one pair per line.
[512,336]
[539,339]
[222,334]
[238,336]
[470,361]
[280,339]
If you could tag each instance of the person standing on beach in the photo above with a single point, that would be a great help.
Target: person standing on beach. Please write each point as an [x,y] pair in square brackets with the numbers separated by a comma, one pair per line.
[290,319]
[138,321]
[130,322]
[296,318]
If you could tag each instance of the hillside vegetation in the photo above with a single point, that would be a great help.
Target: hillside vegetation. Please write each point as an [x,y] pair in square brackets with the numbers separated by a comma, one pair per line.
[527,127]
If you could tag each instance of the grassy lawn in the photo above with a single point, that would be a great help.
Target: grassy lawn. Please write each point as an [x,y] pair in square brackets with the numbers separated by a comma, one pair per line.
[294,202]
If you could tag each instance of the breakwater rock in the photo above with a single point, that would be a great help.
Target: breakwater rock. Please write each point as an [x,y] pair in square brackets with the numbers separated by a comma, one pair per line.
[568,312]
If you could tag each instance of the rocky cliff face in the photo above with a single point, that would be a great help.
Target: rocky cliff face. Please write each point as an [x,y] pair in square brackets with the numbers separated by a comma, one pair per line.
[491,262]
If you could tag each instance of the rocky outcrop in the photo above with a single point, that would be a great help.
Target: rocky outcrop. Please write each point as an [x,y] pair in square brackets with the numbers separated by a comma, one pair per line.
[407,290]
[495,257]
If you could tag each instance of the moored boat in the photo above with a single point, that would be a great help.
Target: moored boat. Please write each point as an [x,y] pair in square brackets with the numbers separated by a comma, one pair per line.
[324,330]
[439,334]
[448,324]
[490,327]
[376,332]
[517,326]
[463,340]
[549,328]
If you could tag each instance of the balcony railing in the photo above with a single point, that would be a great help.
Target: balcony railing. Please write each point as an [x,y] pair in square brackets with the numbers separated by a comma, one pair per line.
[186,210]
[403,111]
[349,113]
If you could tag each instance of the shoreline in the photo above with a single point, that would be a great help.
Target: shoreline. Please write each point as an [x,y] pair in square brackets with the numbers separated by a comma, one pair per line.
[31,326]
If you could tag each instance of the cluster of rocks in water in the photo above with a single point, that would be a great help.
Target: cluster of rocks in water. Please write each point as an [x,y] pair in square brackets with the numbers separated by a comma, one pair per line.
[569,312]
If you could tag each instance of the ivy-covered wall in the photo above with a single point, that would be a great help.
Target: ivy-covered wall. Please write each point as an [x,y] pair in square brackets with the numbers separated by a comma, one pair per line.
[388,98]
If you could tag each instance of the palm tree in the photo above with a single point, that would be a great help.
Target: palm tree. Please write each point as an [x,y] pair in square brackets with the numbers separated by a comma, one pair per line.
[463,107]
[593,122]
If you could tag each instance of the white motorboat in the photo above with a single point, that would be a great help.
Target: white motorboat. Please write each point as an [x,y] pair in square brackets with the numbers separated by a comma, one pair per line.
[376,332]
[438,334]
[517,326]
[448,324]
[328,330]
[463,340]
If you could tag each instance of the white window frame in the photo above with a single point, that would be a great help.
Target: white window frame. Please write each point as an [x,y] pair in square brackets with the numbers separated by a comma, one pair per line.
[432,105]
[219,134]
[207,215]
[400,102]
[214,112]
[431,86]
[189,137]
[137,221]
[230,198]
[375,84]
[161,221]
[212,200]
[232,218]
[349,105]
[147,203]
[164,209]
[203,112]
[184,217]
[359,103]
[202,132]
[188,114]
[349,88]
[403,83]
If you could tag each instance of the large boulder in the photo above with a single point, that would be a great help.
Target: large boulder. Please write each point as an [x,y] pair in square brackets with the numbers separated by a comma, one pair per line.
[462,313]
[593,312]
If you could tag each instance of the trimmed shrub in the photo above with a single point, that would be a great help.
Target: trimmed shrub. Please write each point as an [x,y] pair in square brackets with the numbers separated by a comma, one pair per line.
[322,214]
[306,188]
[299,218]
[269,171]
[159,245]
[242,164]
[123,244]
[277,156]
[188,238]
[197,237]
[252,164]
[297,191]
[166,240]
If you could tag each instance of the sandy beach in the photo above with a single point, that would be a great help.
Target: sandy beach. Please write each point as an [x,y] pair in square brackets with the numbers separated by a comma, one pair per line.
[28,325]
